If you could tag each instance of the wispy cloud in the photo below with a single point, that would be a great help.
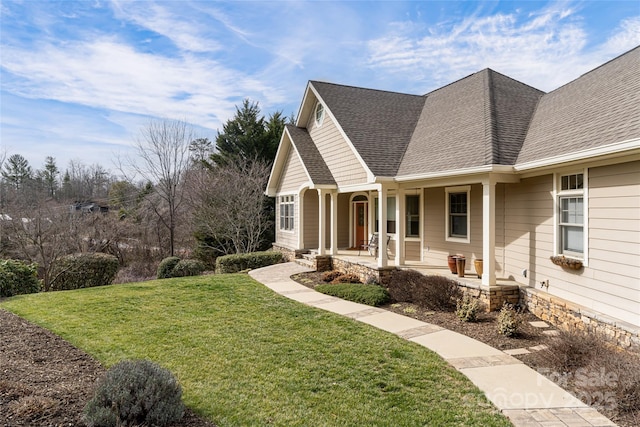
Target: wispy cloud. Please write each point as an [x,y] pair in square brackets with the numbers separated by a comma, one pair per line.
[542,49]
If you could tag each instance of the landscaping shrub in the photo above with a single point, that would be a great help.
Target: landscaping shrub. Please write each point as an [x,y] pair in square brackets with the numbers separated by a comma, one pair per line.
[240,262]
[508,320]
[328,276]
[432,292]
[357,292]
[133,393]
[166,266]
[83,271]
[17,278]
[346,278]
[467,308]
[188,267]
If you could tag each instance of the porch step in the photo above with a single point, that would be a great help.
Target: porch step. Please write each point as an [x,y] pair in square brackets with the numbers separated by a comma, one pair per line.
[305,263]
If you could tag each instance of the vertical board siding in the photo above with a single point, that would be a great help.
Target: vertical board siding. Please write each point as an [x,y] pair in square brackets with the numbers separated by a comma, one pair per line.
[343,220]
[339,157]
[311,222]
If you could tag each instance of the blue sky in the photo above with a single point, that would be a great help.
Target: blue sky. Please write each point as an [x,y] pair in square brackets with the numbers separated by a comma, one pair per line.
[80,79]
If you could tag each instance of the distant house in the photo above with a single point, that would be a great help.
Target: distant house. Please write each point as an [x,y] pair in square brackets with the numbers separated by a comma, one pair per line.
[88,207]
[487,167]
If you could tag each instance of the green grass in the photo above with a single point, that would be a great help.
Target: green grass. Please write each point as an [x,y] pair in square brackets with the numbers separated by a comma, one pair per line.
[247,356]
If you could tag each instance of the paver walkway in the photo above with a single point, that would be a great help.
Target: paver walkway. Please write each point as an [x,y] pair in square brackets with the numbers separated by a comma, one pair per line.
[526,397]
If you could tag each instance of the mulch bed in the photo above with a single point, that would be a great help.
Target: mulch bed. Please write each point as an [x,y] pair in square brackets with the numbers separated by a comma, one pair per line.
[45,381]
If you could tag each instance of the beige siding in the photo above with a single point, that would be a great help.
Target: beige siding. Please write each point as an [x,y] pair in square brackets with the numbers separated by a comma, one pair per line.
[293,175]
[412,251]
[436,247]
[343,220]
[335,151]
[310,237]
[610,283]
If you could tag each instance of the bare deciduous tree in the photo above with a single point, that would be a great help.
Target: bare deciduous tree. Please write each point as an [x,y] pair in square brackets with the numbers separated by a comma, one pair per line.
[228,205]
[163,159]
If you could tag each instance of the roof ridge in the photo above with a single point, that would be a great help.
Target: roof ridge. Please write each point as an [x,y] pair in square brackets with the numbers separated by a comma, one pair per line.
[365,88]
[492,138]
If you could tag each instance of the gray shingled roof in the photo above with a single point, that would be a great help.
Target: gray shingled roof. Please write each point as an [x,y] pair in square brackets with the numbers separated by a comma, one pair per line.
[479,120]
[598,108]
[313,161]
[378,123]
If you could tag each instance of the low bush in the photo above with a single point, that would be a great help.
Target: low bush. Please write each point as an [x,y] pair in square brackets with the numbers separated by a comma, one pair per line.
[509,320]
[18,278]
[346,278]
[241,262]
[432,292]
[373,295]
[467,308]
[166,266]
[135,392]
[188,267]
[83,271]
[328,276]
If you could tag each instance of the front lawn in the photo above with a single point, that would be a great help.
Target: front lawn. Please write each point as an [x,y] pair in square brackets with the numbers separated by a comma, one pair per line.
[247,356]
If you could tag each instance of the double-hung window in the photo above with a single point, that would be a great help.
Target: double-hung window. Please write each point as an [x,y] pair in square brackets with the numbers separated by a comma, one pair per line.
[457,218]
[286,213]
[391,215]
[571,215]
[413,216]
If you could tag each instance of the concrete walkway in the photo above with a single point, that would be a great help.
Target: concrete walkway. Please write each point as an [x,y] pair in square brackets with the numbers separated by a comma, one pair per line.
[526,397]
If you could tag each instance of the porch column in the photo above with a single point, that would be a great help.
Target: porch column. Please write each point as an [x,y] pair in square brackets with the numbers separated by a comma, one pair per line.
[334,223]
[401,209]
[382,227]
[489,231]
[322,219]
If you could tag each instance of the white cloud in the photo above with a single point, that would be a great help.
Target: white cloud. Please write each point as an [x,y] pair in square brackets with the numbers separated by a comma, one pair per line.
[544,50]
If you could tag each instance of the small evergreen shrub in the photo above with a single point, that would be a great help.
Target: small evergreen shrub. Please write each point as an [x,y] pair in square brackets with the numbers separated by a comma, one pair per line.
[188,267]
[508,320]
[166,266]
[241,262]
[432,291]
[467,308]
[373,295]
[134,393]
[328,276]
[17,278]
[346,278]
[83,271]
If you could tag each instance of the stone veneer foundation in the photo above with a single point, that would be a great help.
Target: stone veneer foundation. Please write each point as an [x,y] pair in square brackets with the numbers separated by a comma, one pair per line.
[576,318]
[557,311]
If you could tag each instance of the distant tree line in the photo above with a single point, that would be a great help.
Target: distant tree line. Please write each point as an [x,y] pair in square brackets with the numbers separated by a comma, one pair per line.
[182,194]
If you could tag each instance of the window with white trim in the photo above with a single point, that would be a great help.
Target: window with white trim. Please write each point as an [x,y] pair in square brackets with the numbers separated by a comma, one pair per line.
[391,215]
[319,113]
[413,216]
[286,213]
[571,215]
[457,217]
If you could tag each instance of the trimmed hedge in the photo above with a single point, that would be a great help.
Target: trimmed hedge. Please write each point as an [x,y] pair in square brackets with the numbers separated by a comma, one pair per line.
[17,278]
[166,266]
[241,262]
[374,295]
[83,271]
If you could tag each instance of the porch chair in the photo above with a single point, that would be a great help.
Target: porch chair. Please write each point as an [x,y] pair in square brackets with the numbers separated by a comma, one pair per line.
[373,246]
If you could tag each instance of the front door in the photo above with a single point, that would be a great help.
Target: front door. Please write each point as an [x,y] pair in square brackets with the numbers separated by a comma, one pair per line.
[360,215]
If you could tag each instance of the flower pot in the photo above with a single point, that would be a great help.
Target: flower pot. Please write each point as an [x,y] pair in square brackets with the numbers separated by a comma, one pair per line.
[451,261]
[478,265]
[460,261]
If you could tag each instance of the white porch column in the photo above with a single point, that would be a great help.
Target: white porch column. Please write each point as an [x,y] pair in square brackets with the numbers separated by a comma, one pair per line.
[382,227]
[322,220]
[489,231]
[401,209]
[334,223]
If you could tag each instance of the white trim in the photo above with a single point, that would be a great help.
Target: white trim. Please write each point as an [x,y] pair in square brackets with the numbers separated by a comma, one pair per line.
[509,170]
[459,189]
[315,114]
[558,193]
[615,148]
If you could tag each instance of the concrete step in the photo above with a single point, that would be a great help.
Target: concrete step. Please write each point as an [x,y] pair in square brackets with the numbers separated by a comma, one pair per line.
[305,263]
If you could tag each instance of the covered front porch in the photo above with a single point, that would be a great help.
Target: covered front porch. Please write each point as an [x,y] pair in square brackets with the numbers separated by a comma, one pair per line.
[366,267]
